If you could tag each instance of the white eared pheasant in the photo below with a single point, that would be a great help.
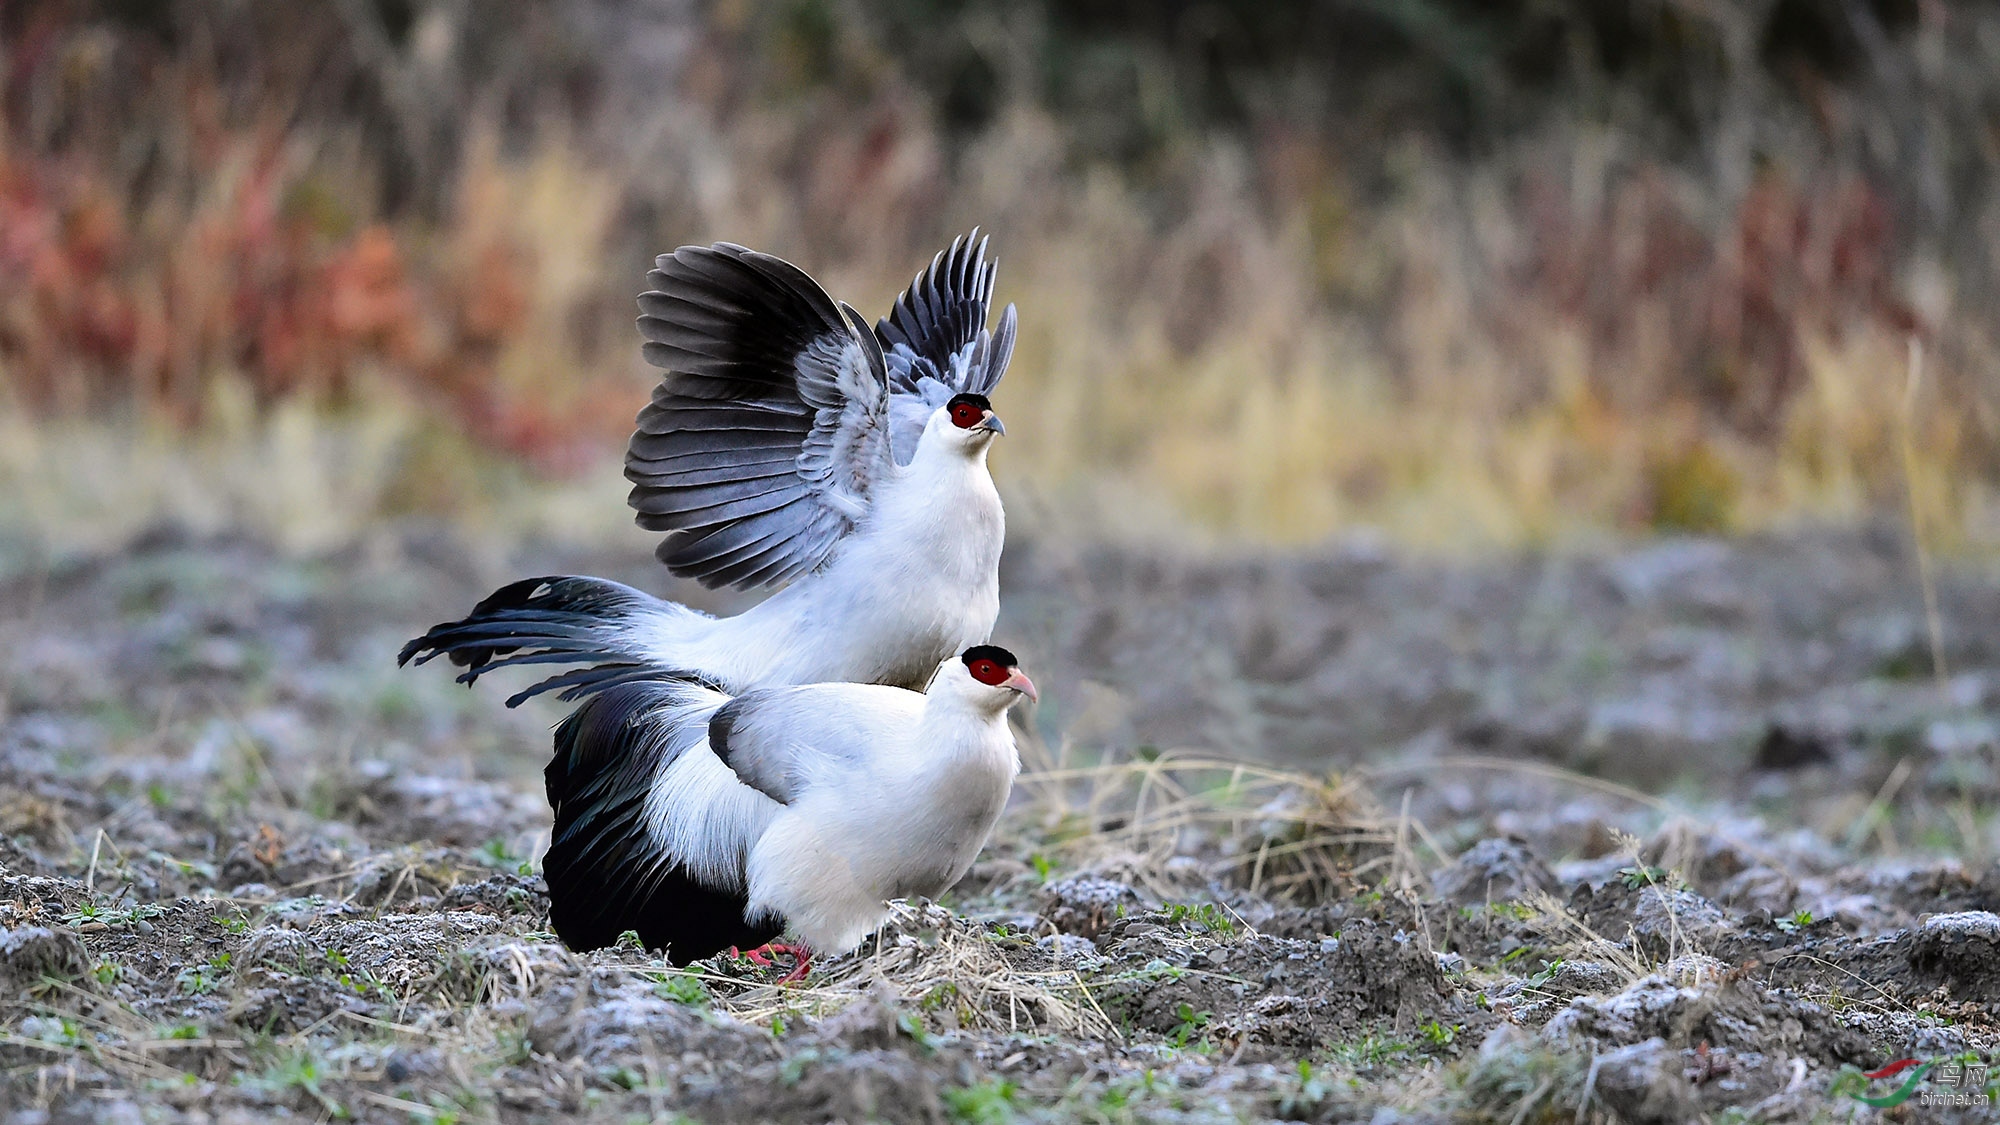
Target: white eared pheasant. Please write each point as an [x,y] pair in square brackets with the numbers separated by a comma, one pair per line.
[705,822]
[788,443]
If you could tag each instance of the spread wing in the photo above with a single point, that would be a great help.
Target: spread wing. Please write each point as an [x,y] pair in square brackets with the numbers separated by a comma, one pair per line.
[784,741]
[771,426]
[935,342]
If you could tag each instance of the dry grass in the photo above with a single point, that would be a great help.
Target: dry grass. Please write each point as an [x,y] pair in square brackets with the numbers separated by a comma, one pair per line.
[1283,833]
[295,476]
[929,960]
[1561,337]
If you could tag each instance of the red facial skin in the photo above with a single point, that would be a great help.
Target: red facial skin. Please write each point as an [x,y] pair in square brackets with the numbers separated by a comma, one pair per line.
[965,415]
[988,672]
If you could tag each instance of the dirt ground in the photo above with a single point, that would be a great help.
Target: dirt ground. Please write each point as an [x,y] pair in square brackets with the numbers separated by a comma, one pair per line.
[1689,830]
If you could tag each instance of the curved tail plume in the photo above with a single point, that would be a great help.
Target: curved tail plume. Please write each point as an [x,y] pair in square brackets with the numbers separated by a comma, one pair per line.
[557,619]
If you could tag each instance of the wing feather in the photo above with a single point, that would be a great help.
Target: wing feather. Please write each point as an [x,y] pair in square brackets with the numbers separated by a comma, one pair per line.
[782,741]
[613,863]
[935,343]
[764,439]
[716,474]
[711,505]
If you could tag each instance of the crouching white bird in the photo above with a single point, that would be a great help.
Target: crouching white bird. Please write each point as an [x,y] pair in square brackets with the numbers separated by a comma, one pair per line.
[788,442]
[706,822]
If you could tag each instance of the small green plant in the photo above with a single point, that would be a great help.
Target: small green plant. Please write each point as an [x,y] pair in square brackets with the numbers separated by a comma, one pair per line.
[116,917]
[364,982]
[1643,875]
[1189,1026]
[912,1025]
[990,1102]
[1438,1033]
[200,980]
[683,988]
[1044,867]
[107,973]
[1799,920]
[1205,916]
[60,1031]
[623,1077]
[1546,974]
[1154,970]
[1299,1100]
[1371,1050]
[296,1071]
[1118,1103]
[496,853]
[180,1031]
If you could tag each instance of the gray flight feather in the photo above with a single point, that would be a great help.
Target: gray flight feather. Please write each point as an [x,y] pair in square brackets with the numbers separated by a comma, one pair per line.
[935,343]
[764,438]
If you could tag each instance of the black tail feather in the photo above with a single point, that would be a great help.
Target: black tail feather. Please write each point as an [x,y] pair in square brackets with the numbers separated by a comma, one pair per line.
[606,872]
[582,682]
[558,619]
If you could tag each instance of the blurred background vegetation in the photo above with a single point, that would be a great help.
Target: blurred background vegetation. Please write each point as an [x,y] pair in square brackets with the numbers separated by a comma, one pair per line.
[1471,273]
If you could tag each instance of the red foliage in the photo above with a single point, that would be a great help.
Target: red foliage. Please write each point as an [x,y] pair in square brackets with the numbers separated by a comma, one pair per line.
[100,308]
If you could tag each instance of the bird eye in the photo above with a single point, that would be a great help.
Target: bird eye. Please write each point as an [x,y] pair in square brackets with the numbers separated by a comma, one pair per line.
[987,672]
[965,415]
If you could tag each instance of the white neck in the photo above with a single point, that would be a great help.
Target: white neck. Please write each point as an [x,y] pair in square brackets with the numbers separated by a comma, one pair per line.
[944,448]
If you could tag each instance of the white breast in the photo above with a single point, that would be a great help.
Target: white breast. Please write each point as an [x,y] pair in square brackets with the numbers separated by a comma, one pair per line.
[918,582]
[829,863]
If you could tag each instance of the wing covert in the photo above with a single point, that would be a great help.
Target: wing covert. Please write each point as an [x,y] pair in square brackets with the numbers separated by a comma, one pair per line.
[782,741]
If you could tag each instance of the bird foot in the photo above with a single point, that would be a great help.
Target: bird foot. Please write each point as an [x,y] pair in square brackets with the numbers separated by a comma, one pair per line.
[762,955]
[804,958]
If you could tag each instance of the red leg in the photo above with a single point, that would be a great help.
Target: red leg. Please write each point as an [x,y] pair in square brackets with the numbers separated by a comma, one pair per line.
[805,959]
[760,956]
[763,954]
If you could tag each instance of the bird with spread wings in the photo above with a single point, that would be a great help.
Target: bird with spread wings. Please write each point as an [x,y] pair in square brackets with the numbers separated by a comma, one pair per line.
[787,444]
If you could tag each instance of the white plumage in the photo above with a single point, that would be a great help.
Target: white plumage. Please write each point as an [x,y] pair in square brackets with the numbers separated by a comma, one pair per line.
[704,821]
[788,442]
[729,779]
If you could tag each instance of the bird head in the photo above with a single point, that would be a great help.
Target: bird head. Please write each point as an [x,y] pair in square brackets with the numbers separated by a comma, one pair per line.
[990,675]
[967,423]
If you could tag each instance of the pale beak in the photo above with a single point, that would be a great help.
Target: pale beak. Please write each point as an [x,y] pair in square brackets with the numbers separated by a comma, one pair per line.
[992,422]
[1021,683]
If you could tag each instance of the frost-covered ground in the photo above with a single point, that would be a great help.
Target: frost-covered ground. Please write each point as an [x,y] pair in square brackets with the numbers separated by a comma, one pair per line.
[1684,829]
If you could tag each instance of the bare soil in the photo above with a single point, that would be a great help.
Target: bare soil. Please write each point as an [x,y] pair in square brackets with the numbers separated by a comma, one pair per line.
[1684,830]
